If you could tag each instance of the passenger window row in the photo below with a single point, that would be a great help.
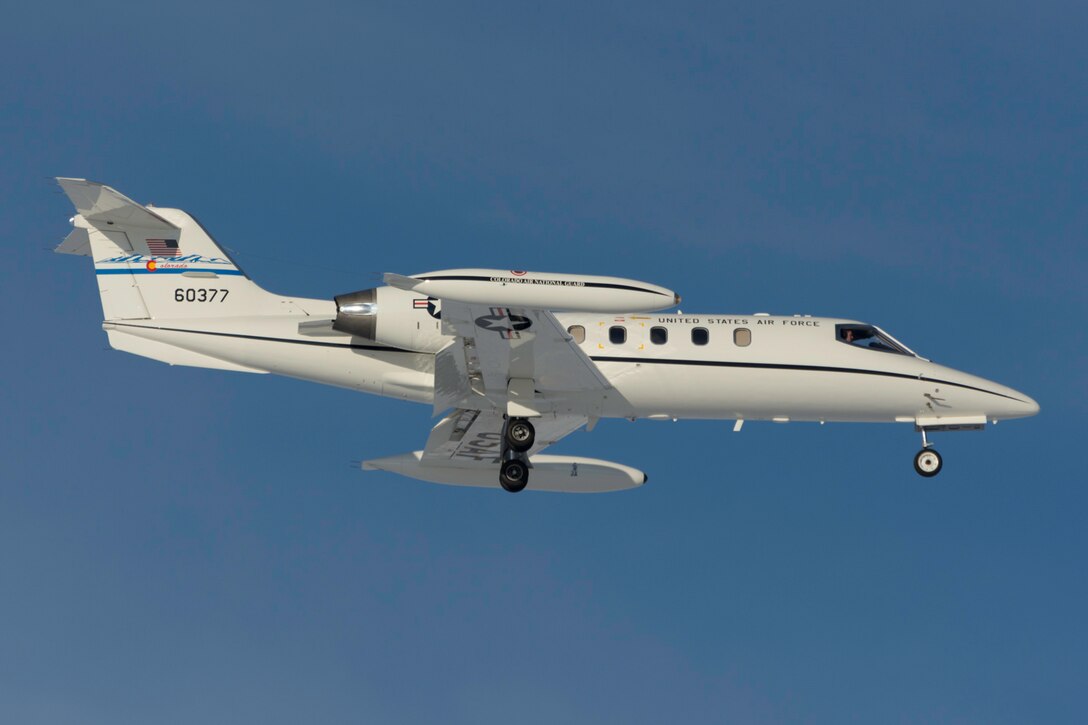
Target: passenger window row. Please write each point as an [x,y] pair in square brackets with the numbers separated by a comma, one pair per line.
[617,335]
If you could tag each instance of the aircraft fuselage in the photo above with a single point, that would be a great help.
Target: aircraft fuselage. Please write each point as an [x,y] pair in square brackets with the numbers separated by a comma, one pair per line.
[666,366]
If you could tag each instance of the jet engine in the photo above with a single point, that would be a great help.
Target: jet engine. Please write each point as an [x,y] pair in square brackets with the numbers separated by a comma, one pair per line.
[391,316]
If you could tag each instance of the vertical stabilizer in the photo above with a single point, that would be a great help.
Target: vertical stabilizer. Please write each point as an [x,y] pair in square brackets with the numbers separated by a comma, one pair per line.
[157,263]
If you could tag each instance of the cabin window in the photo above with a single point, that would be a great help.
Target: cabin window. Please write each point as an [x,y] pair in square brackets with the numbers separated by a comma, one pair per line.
[617,335]
[870,338]
[659,335]
[700,336]
[578,333]
[742,337]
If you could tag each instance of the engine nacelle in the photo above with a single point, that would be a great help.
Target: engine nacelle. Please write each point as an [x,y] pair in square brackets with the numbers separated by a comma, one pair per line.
[390,316]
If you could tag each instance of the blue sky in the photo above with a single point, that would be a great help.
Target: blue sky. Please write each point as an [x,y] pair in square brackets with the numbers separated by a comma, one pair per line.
[182,545]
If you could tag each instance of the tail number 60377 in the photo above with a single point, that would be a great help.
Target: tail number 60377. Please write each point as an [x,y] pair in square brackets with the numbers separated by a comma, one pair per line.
[200,294]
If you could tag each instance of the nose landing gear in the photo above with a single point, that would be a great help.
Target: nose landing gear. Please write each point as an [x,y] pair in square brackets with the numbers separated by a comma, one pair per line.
[927,462]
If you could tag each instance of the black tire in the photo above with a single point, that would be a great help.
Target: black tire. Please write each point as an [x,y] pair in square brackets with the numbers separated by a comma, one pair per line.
[513,475]
[928,463]
[520,435]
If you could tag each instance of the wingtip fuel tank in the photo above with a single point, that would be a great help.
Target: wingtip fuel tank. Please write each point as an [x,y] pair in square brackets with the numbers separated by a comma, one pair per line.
[570,474]
[540,290]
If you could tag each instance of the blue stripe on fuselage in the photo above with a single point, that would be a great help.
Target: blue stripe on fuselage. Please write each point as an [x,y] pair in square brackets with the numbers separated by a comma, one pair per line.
[170,270]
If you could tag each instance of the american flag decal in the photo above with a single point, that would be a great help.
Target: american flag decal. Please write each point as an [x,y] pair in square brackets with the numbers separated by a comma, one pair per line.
[163,247]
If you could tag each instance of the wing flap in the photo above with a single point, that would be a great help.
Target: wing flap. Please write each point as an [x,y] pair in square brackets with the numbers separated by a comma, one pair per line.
[452,384]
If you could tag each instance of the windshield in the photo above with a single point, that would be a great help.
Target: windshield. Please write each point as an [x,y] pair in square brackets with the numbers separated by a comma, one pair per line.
[870,338]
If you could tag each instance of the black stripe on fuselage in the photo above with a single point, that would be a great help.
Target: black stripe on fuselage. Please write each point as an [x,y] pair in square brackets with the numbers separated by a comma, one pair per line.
[596,358]
[530,281]
[791,366]
[315,343]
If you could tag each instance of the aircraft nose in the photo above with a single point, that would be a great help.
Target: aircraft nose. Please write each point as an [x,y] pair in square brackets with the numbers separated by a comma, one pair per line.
[1030,406]
[1015,405]
[991,399]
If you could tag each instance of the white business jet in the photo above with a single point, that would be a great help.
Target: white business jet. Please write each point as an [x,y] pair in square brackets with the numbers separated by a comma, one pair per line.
[516,360]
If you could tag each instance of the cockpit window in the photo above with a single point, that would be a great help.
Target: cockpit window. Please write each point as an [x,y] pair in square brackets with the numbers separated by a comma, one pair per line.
[870,338]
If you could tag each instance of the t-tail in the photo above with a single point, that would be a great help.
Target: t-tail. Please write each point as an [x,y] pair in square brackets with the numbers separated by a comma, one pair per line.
[158,268]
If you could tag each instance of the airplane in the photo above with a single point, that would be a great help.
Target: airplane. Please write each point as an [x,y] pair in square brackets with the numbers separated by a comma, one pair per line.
[512,360]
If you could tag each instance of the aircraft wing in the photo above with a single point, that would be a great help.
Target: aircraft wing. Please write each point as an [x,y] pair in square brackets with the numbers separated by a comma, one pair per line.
[518,360]
[464,450]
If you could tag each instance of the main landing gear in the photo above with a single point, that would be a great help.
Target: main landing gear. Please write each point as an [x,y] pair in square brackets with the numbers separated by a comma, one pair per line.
[518,436]
[514,475]
[927,462]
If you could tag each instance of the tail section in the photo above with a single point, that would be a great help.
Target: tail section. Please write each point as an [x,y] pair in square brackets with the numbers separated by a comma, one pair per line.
[157,263]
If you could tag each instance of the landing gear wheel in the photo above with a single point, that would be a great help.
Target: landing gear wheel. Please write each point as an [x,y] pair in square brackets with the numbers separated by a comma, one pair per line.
[513,475]
[520,435]
[928,462]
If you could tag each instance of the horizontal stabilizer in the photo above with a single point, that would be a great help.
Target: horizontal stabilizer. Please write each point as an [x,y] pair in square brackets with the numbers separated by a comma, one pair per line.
[77,242]
[567,474]
[99,203]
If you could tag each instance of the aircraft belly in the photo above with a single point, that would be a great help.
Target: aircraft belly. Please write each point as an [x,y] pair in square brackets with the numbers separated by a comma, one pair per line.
[673,391]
